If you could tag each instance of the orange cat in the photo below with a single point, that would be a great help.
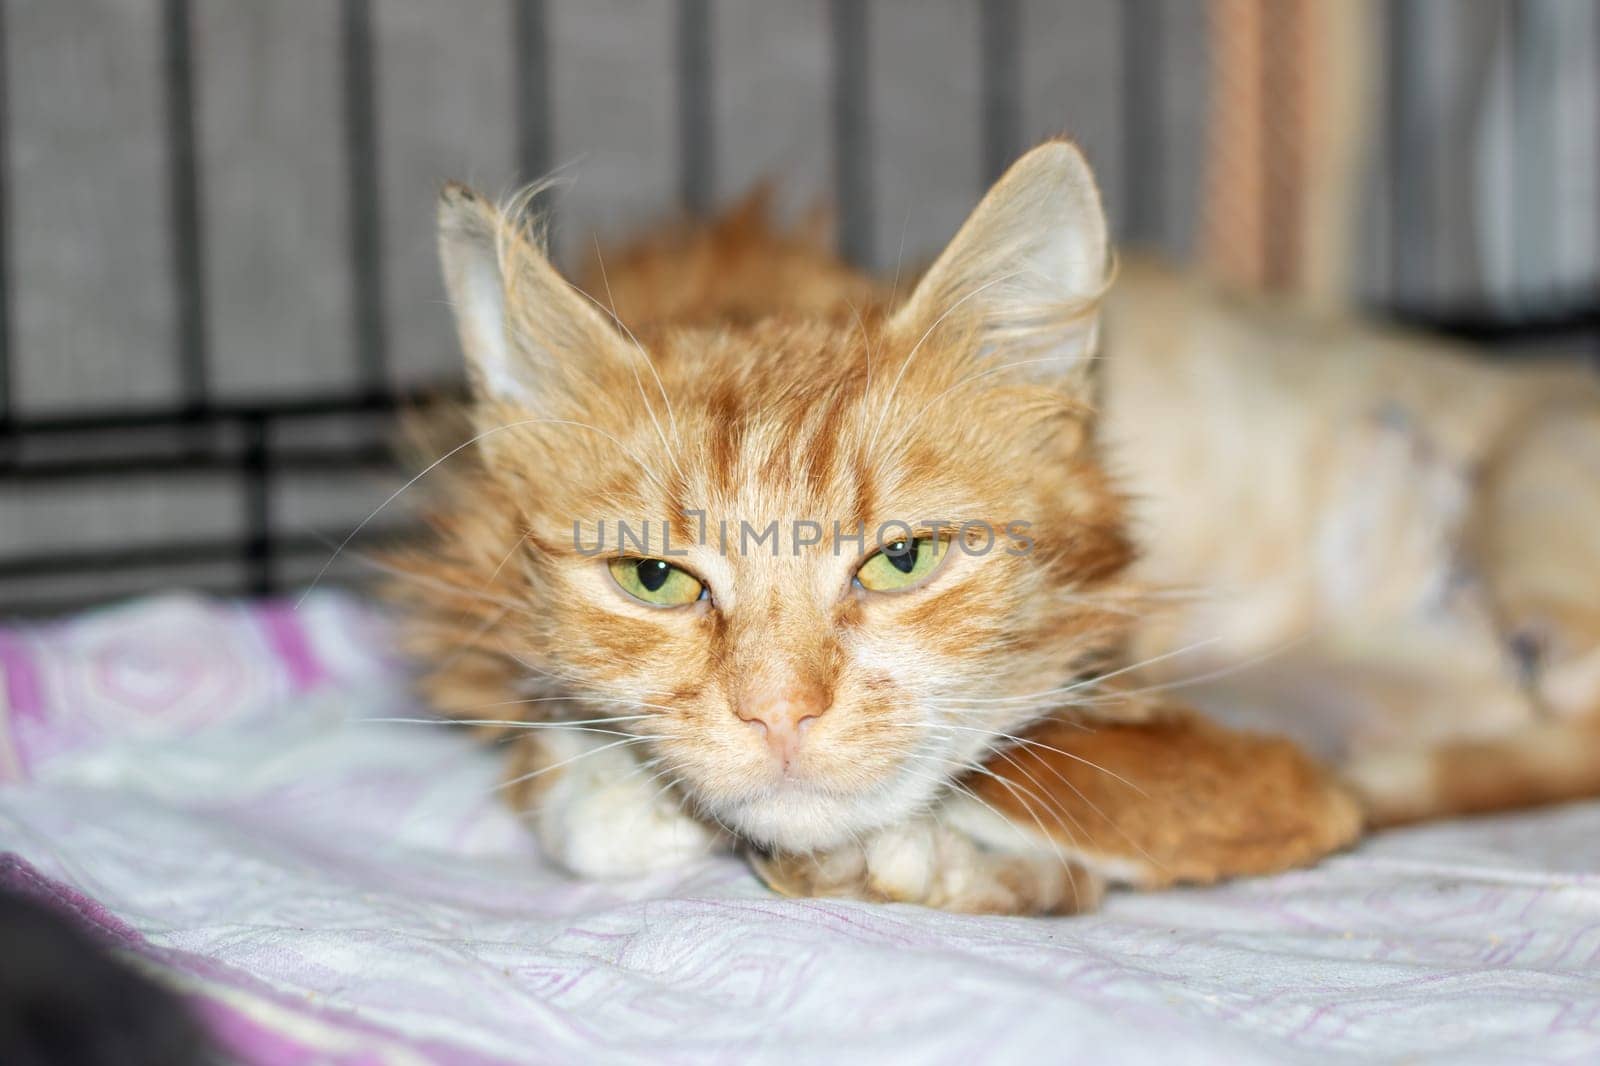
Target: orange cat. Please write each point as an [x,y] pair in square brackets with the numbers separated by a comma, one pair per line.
[761,558]
[1390,546]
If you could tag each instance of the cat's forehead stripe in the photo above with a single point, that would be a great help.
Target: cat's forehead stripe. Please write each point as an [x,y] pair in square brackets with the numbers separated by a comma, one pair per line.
[762,424]
[820,455]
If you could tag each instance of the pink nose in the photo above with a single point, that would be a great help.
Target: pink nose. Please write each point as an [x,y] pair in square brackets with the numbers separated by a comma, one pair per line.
[783,716]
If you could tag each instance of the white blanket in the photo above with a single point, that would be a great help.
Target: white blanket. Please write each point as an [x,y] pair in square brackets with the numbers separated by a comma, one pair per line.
[200,781]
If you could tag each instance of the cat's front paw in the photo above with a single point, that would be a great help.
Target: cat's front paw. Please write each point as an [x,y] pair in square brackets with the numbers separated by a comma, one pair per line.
[615,832]
[598,814]
[931,864]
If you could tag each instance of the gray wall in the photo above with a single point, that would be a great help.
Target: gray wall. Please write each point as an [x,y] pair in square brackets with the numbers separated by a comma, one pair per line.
[245,188]
[97,320]
[307,264]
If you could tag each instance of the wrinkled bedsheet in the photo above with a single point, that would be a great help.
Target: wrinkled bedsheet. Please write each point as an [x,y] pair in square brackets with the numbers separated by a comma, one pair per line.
[205,783]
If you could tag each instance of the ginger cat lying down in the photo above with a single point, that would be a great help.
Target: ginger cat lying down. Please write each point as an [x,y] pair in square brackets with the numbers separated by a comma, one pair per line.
[893,593]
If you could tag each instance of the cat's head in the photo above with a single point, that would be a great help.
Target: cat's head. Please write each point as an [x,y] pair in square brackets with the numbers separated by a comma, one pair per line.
[888,542]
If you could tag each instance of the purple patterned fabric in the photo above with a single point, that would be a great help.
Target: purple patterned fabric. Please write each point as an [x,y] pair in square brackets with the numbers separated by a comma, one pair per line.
[170,668]
[205,785]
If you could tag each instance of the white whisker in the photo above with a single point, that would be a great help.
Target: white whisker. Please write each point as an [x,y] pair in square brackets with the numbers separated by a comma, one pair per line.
[476,438]
[643,357]
[519,779]
[1077,686]
[1025,742]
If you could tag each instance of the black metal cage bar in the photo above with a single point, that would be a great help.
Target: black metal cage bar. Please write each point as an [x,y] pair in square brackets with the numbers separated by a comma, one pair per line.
[852,111]
[7,387]
[530,64]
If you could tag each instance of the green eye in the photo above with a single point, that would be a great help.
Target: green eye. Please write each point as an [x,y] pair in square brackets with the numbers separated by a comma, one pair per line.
[656,582]
[901,564]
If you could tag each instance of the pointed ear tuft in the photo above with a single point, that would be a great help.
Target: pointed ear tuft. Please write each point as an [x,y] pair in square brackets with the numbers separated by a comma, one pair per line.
[468,251]
[1027,269]
[525,331]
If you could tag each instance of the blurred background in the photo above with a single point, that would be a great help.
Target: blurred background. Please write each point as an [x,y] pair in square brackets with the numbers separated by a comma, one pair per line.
[217,277]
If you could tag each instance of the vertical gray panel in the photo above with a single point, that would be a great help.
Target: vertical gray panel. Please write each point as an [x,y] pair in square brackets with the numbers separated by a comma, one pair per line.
[1373,271]
[1411,69]
[695,78]
[92,263]
[530,32]
[1576,166]
[613,88]
[1071,83]
[852,122]
[927,141]
[358,89]
[771,99]
[1185,98]
[1461,43]
[1494,210]
[274,191]
[1000,66]
[446,107]
[1540,29]
[1141,87]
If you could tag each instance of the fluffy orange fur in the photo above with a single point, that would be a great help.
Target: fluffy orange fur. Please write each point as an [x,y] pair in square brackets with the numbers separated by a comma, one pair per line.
[965,743]
[775,415]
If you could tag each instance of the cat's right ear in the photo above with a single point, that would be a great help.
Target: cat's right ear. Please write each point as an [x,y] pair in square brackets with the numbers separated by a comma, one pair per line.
[527,334]
[1025,273]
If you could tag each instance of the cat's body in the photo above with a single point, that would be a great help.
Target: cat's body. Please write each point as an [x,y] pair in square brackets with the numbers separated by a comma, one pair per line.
[961,728]
[1389,543]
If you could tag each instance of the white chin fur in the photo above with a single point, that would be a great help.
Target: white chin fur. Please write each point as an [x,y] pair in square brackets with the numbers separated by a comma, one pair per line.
[797,819]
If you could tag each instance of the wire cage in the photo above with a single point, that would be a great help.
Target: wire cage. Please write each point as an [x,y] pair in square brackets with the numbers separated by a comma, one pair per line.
[216,279]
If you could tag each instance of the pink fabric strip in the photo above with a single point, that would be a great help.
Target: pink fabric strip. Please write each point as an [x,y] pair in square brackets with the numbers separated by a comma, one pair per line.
[247,1040]
[24,693]
[287,635]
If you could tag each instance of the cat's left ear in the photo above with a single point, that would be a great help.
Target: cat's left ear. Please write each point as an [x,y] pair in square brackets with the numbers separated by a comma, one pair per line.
[1025,273]
[529,337]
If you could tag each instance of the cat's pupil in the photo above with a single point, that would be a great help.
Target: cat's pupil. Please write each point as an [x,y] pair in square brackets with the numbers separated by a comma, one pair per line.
[653,573]
[903,554]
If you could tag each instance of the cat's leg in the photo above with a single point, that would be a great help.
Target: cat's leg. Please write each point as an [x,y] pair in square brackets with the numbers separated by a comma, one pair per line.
[1050,822]
[598,811]
[1547,762]
[1170,799]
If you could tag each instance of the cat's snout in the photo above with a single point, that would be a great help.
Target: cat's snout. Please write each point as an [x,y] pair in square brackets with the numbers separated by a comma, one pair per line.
[783,714]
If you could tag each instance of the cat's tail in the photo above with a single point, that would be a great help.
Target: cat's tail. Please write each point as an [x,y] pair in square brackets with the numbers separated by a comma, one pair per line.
[1550,762]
